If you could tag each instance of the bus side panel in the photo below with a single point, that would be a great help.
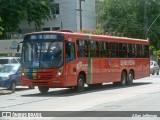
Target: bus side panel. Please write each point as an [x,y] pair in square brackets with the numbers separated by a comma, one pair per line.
[146,68]
[115,73]
[138,68]
[95,71]
[104,70]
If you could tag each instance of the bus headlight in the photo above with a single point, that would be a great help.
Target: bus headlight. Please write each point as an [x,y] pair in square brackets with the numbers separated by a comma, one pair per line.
[22,73]
[60,71]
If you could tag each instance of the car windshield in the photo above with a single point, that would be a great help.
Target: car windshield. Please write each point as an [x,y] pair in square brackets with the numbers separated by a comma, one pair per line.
[8,69]
[3,61]
[6,60]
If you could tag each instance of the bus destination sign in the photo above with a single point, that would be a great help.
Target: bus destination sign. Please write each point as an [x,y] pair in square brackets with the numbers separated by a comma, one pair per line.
[43,36]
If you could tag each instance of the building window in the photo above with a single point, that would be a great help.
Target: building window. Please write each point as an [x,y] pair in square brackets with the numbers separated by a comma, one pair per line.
[46,29]
[55,9]
[55,28]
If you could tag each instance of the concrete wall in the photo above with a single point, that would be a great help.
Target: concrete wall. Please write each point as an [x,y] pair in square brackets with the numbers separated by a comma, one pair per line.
[9,47]
[69,17]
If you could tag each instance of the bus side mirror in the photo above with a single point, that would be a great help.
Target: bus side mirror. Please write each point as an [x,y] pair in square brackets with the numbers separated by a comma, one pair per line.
[18,48]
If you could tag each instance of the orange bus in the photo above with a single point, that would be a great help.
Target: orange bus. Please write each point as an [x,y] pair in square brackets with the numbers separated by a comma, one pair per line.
[58,59]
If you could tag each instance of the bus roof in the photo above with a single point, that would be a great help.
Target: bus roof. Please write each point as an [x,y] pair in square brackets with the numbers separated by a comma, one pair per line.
[93,36]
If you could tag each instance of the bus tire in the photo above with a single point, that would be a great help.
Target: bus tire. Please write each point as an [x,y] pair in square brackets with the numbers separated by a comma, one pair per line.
[43,89]
[158,72]
[123,79]
[80,83]
[130,78]
[116,83]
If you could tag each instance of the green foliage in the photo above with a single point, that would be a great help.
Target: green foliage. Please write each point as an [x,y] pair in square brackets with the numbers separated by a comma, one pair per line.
[13,12]
[126,17]
[1,29]
[158,54]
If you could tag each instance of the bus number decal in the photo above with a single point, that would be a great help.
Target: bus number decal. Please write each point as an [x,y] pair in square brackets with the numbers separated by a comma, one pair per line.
[127,62]
[82,66]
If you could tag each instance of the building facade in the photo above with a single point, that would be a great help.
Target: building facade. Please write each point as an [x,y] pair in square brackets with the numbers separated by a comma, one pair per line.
[74,15]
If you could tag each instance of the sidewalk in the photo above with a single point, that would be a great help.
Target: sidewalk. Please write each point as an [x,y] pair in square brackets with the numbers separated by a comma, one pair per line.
[4,91]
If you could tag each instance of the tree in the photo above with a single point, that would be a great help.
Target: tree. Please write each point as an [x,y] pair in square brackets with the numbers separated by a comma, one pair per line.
[127,18]
[1,29]
[13,12]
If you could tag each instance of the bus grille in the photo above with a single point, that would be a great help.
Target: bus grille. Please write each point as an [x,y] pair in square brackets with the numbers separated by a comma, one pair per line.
[39,75]
[40,83]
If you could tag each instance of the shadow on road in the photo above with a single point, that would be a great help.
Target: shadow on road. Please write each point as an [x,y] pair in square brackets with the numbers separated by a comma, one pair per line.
[73,92]
[4,91]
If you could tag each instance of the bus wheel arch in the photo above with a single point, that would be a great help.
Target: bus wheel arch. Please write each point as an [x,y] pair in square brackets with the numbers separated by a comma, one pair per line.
[83,74]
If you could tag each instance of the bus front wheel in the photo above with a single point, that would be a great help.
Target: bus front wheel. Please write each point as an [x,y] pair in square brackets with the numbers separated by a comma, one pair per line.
[80,83]
[43,89]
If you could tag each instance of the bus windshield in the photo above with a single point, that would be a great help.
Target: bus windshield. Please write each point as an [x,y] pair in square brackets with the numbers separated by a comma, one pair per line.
[42,54]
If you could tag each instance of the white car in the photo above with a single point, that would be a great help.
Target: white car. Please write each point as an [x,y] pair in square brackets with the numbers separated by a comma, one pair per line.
[154,68]
[9,60]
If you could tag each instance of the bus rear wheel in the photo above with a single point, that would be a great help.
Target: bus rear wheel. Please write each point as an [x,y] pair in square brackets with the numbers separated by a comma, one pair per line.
[80,83]
[158,72]
[130,78]
[123,79]
[43,89]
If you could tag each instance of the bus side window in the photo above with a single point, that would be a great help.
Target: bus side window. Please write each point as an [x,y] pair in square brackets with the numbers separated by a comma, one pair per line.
[82,48]
[70,52]
[138,51]
[103,48]
[94,52]
[122,50]
[131,50]
[113,50]
[145,49]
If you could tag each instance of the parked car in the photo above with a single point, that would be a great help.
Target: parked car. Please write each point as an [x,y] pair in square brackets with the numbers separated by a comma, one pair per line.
[10,76]
[8,60]
[154,68]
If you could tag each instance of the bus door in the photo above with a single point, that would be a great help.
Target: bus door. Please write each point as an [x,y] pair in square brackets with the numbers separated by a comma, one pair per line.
[70,57]
[114,63]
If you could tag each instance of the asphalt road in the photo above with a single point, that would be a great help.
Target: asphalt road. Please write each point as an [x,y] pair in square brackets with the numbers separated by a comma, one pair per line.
[144,95]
